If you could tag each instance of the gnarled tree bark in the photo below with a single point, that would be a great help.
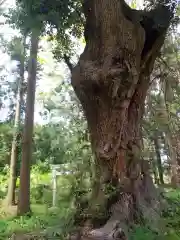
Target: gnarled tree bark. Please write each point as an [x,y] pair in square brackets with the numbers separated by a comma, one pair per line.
[111,81]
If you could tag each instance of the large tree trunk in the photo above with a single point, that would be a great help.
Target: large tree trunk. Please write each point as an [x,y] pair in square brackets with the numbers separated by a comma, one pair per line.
[24,192]
[15,143]
[111,80]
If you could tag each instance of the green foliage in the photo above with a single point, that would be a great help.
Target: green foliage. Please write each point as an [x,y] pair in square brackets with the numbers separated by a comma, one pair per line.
[170,221]
[15,49]
[6,134]
[141,233]
[58,13]
[172,213]
[65,16]
[43,222]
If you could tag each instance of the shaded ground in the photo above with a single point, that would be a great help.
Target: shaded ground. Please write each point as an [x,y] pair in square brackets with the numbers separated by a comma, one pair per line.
[54,223]
[45,223]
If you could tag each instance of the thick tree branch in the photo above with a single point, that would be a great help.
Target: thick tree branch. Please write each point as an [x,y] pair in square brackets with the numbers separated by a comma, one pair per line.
[67,60]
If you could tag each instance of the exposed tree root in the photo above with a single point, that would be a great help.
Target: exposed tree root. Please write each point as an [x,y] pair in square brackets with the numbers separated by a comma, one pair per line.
[142,205]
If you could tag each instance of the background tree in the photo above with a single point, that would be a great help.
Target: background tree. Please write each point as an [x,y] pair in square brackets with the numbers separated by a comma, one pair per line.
[24,193]
[35,17]
[18,54]
[161,115]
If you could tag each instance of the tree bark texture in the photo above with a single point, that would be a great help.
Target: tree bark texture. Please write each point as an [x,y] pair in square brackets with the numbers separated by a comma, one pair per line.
[15,142]
[24,192]
[111,81]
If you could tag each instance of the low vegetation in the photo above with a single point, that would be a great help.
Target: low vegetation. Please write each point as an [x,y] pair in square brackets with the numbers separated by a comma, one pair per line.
[48,222]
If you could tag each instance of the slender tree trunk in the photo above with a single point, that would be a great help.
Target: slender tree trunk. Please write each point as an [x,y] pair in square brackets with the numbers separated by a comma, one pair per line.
[174,163]
[154,167]
[14,150]
[159,162]
[111,81]
[177,147]
[24,193]
[169,135]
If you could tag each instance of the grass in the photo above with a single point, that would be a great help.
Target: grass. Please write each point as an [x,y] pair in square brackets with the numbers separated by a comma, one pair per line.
[42,218]
[170,229]
[173,194]
[55,222]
